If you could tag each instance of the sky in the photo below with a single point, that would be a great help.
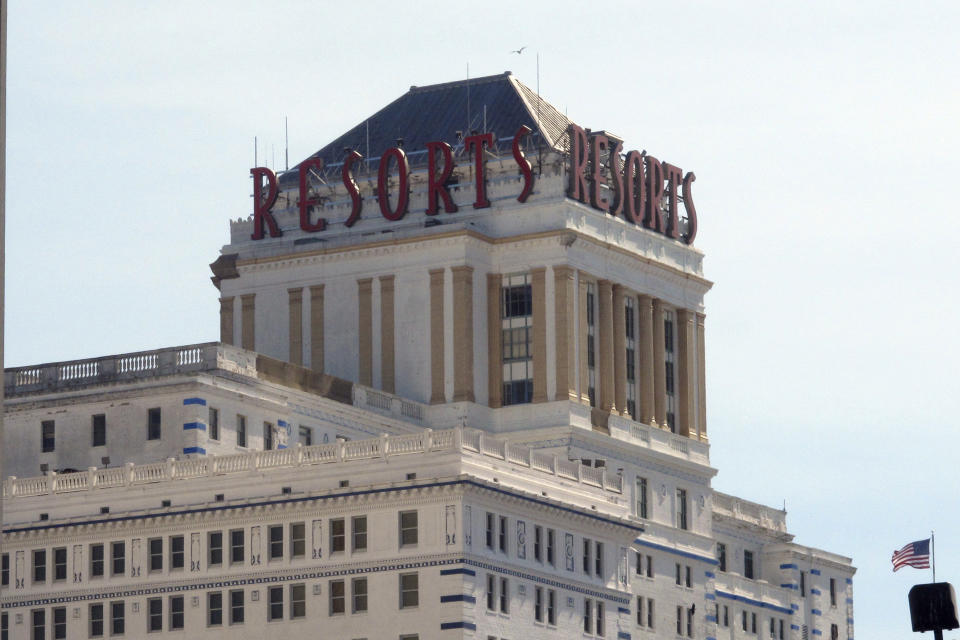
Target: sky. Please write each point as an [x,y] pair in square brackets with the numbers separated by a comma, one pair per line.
[824,137]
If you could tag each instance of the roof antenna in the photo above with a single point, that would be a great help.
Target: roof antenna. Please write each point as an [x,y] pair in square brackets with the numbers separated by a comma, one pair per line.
[286,144]
[468,97]
[254,150]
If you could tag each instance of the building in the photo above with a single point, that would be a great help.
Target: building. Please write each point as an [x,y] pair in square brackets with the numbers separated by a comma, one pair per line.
[459,392]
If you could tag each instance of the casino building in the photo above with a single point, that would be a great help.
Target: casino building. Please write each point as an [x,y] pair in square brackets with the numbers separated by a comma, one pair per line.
[459,392]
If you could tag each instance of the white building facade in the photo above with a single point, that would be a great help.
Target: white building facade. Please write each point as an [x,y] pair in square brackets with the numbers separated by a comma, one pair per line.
[458,395]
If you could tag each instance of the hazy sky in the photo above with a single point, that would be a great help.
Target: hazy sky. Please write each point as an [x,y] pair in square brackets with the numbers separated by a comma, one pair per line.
[824,136]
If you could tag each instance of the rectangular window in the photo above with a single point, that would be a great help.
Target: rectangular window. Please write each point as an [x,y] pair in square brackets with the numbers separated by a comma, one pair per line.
[408,528]
[117,618]
[587,547]
[118,565]
[176,552]
[274,604]
[359,531]
[409,590]
[773,628]
[236,546]
[306,436]
[176,612]
[490,530]
[679,573]
[504,595]
[267,436]
[236,606]
[630,343]
[276,541]
[59,564]
[213,423]
[39,566]
[154,614]
[338,535]
[4,626]
[298,601]
[689,580]
[338,597]
[722,556]
[538,604]
[591,343]
[748,564]
[214,548]
[214,608]
[753,623]
[551,607]
[781,629]
[59,623]
[98,430]
[682,509]
[726,616]
[491,592]
[598,560]
[502,540]
[153,423]
[744,620]
[48,439]
[641,498]
[834,632]
[39,624]
[516,307]
[241,430]
[155,552]
[690,622]
[95,615]
[96,561]
[803,584]
[600,625]
[551,539]
[538,543]
[5,571]
[833,592]
[359,592]
[587,615]
[298,540]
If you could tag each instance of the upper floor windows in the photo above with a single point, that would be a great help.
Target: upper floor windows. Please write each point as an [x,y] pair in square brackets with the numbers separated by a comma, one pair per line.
[591,303]
[630,344]
[722,556]
[640,498]
[153,423]
[98,430]
[48,440]
[408,528]
[213,423]
[268,443]
[516,322]
[682,510]
[669,350]
[241,430]
[748,564]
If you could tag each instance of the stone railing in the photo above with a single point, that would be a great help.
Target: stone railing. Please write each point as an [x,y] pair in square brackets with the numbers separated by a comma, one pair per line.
[658,439]
[470,440]
[760,589]
[758,514]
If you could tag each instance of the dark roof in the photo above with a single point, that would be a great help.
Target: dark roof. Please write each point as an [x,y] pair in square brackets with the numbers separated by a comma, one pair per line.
[498,104]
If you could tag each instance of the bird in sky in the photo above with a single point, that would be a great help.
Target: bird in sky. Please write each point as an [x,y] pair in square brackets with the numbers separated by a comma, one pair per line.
[518,51]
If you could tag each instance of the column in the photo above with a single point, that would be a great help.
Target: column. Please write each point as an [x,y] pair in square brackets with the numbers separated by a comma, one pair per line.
[583,337]
[686,368]
[437,394]
[316,328]
[226,320]
[645,348]
[538,289]
[247,333]
[701,379]
[619,350]
[462,333]
[659,367]
[563,308]
[494,340]
[295,297]
[387,335]
[365,331]
[604,360]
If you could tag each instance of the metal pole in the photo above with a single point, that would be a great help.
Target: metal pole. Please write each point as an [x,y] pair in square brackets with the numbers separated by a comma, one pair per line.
[933,557]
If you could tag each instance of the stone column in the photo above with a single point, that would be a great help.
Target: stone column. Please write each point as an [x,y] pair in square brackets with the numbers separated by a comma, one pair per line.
[701,379]
[583,337]
[563,309]
[365,331]
[686,367]
[295,297]
[645,349]
[462,333]
[538,278]
[316,328]
[437,394]
[619,350]
[387,335]
[226,320]
[247,328]
[659,366]
[494,340]
[604,361]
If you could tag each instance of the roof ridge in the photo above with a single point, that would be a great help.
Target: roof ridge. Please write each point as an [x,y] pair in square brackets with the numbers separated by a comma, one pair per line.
[460,83]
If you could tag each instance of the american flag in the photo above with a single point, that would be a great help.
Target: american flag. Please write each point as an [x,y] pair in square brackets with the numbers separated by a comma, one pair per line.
[916,554]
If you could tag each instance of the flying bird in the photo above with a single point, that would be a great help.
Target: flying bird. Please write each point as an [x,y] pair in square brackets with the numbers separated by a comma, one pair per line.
[518,51]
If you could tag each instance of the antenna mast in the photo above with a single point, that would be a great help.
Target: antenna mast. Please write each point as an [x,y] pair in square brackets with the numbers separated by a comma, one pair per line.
[286,145]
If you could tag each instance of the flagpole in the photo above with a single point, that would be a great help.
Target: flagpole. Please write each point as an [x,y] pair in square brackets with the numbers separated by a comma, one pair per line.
[933,556]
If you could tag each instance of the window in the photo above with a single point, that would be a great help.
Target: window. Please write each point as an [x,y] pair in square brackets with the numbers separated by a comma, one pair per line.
[241,431]
[645,612]
[587,548]
[726,616]
[598,559]
[773,628]
[551,539]
[275,604]
[504,595]
[214,548]
[408,528]
[306,436]
[551,607]
[213,423]
[630,342]
[591,298]
[176,552]
[176,612]
[641,498]
[359,590]
[267,436]
[679,621]
[538,604]
[599,626]
[298,601]
[682,509]
[155,546]
[591,608]
[834,632]
[833,592]
[338,535]
[276,541]
[153,423]
[59,564]
[722,556]
[59,623]
[516,322]
[538,543]
[502,539]
[39,566]
[117,558]
[338,596]
[669,347]
[236,546]
[679,573]
[689,578]
[214,608]
[4,626]
[154,614]
[359,529]
[236,606]
[640,565]
[781,629]
[117,618]
[48,439]
[39,624]
[409,590]
[491,592]
[490,531]
[753,623]
[748,564]
[5,570]
[96,561]
[298,540]
[98,430]
[803,584]
[744,620]
[96,620]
